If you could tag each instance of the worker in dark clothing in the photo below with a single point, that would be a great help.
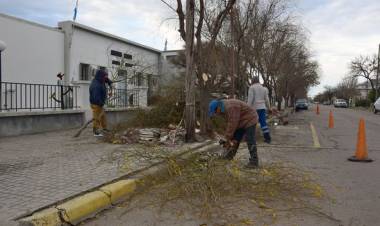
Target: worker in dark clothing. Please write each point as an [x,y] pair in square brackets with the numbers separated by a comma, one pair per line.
[241,120]
[98,96]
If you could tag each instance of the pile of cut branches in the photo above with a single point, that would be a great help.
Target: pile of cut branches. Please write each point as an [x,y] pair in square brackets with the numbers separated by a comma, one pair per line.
[211,187]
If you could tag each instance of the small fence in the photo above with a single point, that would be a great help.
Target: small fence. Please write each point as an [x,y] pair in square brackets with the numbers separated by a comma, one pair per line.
[26,96]
[122,98]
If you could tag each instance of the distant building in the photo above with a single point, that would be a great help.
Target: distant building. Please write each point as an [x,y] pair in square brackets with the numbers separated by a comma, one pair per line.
[37,53]
[171,68]
[363,89]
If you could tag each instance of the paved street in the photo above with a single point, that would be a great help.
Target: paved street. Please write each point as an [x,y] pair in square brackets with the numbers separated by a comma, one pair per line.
[358,184]
[41,169]
[353,187]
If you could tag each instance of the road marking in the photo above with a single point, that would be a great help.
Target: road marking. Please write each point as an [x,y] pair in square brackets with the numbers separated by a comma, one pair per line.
[315,136]
[290,146]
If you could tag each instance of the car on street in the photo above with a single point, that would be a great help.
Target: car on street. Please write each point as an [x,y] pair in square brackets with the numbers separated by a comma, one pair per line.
[340,103]
[376,106]
[301,104]
[326,103]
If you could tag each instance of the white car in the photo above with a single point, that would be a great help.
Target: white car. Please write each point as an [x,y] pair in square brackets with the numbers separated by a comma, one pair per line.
[340,103]
[376,106]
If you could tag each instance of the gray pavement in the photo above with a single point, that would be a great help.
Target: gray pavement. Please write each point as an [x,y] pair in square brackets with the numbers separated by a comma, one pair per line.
[357,185]
[353,187]
[41,169]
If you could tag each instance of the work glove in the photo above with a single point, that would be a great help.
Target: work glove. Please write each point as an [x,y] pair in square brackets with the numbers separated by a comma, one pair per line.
[222,142]
[227,144]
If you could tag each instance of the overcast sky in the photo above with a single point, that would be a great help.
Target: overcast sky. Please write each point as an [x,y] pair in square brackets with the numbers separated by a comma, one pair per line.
[339,30]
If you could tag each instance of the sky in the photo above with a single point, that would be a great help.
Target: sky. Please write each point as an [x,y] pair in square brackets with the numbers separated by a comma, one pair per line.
[339,30]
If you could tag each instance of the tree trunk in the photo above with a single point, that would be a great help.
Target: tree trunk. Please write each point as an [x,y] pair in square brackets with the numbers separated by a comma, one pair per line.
[279,102]
[189,80]
[203,102]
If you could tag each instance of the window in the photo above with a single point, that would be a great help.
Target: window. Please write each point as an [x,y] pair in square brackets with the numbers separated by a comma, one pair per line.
[128,65]
[170,58]
[155,81]
[84,72]
[122,73]
[139,79]
[127,56]
[115,62]
[116,53]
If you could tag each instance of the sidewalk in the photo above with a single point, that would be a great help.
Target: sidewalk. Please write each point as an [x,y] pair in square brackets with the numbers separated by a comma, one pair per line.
[39,170]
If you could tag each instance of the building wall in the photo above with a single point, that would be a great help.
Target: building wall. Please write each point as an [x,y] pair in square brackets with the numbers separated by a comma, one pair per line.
[34,54]
[169,70]
[93,49]
[18,123]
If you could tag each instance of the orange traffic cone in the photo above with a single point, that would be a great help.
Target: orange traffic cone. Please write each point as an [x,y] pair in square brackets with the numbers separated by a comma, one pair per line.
[331,120]
[317,109]
[361,154]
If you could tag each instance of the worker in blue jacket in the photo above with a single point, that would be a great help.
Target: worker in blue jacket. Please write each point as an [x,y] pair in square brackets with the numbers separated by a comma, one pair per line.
[98,97]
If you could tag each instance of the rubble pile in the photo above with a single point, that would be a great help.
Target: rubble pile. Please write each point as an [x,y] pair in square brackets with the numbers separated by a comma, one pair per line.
[280,118]
[149,134]
[164,136]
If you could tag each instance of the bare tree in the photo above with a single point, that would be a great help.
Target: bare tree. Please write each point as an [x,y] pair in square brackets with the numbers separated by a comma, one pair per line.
[187,34]
[347,88]
[365,67]
[236,41]
[206,38]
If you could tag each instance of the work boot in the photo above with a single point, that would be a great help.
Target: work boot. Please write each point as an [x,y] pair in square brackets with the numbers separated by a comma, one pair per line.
[253,160]
[252,164]
[97,133]
[267,138]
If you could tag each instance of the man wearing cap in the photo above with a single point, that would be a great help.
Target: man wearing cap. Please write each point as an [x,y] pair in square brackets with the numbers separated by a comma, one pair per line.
[241,120]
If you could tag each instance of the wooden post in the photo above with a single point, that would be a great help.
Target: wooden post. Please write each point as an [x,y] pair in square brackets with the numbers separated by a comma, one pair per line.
[189,79]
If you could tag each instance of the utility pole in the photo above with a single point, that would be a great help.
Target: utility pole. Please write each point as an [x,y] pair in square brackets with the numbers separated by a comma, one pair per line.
[233,53]
[377,75]
[2,48]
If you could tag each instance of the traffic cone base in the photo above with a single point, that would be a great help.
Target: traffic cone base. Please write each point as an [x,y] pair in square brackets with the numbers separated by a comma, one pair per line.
[354,159]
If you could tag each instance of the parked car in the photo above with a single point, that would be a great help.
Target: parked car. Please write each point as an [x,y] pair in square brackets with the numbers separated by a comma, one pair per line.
[301,104]
[340,103]
[376,106]
[326,103]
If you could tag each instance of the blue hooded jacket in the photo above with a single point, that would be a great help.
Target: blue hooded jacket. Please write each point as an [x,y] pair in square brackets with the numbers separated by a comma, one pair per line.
[98,90]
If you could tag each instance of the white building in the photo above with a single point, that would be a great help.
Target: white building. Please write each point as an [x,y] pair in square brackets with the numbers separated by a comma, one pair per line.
[36,54]
[364,88]
[87,49]
[171,70]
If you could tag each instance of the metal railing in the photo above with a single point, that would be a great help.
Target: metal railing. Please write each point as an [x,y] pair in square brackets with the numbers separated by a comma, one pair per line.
[26,96]
[122,98]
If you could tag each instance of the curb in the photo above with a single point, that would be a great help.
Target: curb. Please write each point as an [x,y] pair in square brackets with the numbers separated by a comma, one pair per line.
[77,209]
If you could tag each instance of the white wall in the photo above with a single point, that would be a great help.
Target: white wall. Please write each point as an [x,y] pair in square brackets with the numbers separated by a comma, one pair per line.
[90,48]
[34,54]
[169,70]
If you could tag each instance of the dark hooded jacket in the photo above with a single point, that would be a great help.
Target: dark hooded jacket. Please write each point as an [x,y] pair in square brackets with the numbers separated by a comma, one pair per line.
[98,90]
